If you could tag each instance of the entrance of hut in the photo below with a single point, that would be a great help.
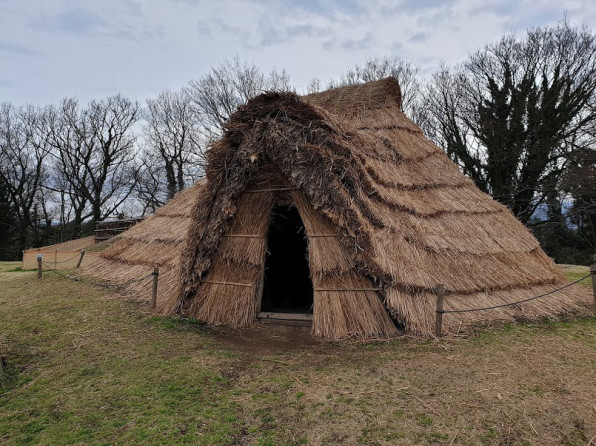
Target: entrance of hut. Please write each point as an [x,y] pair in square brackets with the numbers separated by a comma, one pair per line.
[287,288]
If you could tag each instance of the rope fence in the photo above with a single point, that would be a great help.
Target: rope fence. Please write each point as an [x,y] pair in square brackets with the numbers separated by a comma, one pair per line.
[469,310]
[154,275]
[91,282]
[59,259]
[67,260]
[440,291]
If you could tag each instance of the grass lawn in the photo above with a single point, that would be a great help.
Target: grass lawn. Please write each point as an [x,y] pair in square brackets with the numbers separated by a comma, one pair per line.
[87,366]
[574,273]
[11,267]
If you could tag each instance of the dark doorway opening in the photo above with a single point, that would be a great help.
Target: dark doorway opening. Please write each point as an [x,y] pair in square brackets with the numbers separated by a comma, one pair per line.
[287,285]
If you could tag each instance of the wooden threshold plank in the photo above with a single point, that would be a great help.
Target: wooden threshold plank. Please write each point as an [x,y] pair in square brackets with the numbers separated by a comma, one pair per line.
[285,316]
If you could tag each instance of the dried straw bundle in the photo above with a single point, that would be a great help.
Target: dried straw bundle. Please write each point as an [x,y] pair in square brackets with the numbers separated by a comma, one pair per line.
[382,207]
[228,294]
[157,240]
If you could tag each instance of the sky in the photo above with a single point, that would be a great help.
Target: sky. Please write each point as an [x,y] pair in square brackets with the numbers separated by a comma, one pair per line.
[52,49]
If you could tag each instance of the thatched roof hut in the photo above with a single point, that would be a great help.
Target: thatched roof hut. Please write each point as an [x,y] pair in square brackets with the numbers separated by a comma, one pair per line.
[336,205]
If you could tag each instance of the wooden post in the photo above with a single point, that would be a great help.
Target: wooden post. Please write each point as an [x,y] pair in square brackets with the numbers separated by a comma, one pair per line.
[81,258]
[56,258]
[439,317]
[39,259]
[593,274]
[155,275]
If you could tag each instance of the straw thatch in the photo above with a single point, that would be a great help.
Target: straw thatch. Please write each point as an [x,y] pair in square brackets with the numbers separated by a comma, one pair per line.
[157,240]
[383,208]
[65,255]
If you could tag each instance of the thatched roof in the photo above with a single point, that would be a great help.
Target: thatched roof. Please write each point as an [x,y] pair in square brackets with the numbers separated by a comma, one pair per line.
[157,240]
[382,206]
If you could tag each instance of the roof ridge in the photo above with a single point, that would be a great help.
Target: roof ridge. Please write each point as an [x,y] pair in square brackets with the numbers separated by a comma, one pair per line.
[367,95]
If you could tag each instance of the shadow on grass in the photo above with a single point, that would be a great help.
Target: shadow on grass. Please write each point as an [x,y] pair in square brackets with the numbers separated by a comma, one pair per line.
[13,365]
[176,323]
[18,269]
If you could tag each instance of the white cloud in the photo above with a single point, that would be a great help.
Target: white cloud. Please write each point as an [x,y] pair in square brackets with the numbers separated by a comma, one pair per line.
[88,49]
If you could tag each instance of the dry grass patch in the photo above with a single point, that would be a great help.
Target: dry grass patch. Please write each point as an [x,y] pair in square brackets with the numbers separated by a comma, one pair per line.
[88,366]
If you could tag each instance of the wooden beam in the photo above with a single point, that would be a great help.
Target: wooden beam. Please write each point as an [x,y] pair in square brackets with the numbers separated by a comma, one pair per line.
[217,282]
[285,316]
[593,273]
[439,313]
[285,322]
[348,289]
[243,235]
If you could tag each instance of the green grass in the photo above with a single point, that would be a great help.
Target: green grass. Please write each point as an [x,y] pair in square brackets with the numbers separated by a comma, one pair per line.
[12,267]
[87,366]
[577,272]
[106,373]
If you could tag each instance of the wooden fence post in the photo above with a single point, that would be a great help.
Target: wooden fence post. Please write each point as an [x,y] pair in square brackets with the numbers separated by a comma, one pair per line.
[593,277]
[155,275]
[39,259]
[81,258]
[439,316]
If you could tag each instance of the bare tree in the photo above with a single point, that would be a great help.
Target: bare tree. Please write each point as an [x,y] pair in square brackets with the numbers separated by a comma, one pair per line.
[22,165]
[313,86]
[278,81]
[95,154]
[217,94]
[171,131]
[7,223]
[377,68]
[109,153]
[512,113]
[150,181]
[69,175]
[580,182]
